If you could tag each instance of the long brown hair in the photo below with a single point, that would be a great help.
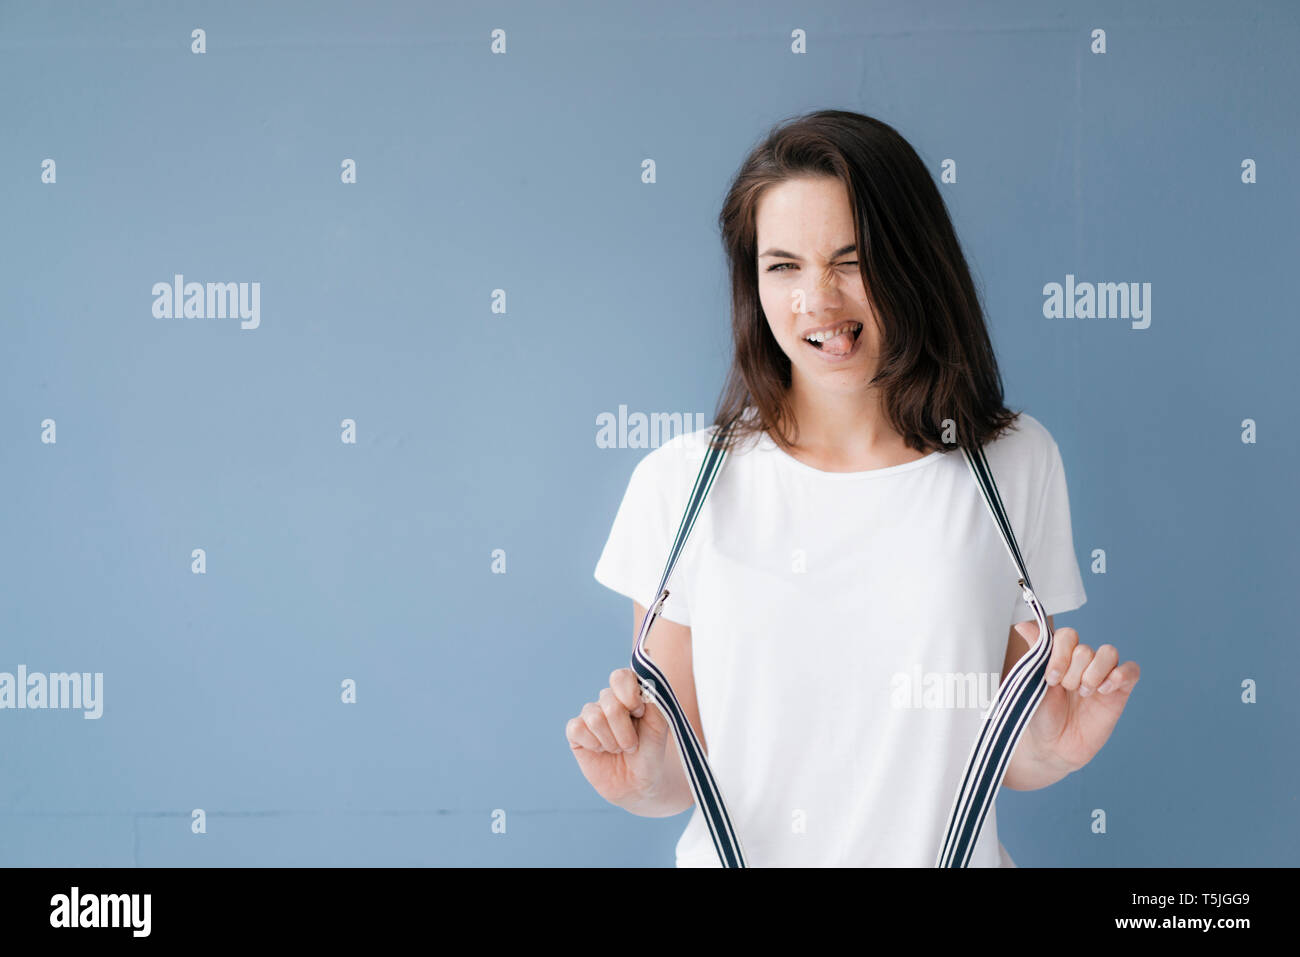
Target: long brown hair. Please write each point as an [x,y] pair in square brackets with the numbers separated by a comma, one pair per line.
[936,360]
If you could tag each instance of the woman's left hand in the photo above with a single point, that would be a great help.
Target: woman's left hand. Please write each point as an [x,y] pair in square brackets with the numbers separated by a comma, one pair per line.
[1086,693]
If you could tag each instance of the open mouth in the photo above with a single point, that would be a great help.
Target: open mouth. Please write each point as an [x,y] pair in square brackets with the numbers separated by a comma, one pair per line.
[855,332]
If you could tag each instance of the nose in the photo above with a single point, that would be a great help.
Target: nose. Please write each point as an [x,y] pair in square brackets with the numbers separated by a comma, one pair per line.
[823,297]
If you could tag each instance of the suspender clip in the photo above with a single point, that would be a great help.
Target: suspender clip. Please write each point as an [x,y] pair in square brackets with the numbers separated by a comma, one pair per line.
[1025,591]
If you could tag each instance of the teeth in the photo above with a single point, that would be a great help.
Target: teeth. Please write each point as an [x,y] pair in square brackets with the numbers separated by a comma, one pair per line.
[823,336]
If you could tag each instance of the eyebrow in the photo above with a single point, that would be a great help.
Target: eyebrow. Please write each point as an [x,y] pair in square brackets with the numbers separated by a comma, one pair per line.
[782,254]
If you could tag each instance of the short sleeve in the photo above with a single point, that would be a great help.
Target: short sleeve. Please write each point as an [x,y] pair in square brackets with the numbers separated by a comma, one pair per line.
[1048,547]
[645,526]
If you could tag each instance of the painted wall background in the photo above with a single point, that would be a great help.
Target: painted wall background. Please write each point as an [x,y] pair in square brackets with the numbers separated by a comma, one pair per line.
[1169,159]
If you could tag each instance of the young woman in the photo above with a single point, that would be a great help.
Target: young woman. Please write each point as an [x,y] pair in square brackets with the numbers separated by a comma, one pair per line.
[845,608]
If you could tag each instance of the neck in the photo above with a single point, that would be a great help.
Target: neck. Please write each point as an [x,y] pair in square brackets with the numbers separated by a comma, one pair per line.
[847,431]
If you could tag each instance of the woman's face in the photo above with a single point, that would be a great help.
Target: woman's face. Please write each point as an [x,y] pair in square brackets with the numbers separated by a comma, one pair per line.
[808,281]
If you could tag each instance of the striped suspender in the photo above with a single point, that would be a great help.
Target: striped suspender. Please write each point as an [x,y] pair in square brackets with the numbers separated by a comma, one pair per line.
[1017,698]
[655,687]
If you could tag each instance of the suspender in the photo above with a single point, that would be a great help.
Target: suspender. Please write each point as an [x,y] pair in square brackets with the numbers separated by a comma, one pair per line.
[1003,724]
[655,687]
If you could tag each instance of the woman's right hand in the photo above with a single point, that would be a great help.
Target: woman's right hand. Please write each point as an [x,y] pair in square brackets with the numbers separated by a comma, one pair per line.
[621,742]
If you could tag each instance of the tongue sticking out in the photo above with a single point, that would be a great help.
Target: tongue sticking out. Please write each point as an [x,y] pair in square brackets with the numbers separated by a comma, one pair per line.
[840,345]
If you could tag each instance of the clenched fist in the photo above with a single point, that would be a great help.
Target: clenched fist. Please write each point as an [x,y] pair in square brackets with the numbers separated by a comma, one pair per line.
[621,743]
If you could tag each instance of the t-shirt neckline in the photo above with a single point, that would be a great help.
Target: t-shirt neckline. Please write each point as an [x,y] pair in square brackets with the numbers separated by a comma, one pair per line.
[767,442]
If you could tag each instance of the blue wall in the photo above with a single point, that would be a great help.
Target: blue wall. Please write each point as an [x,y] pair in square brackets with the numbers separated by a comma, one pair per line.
[475,430]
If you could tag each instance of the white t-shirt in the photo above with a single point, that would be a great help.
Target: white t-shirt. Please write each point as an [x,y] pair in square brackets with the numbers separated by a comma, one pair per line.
[848,631]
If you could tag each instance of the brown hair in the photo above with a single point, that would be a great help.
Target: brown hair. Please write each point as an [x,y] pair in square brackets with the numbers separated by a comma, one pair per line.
[936,358]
